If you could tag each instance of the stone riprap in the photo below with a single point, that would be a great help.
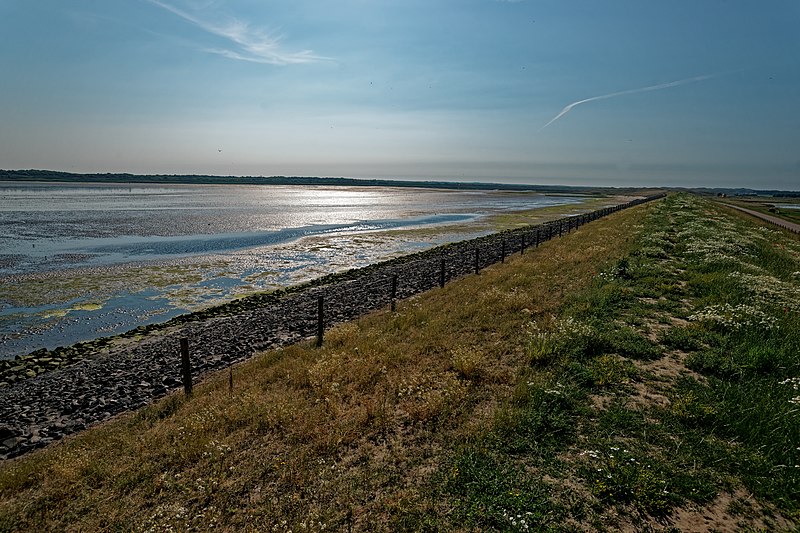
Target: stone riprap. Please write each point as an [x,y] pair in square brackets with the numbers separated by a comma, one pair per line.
[37,410]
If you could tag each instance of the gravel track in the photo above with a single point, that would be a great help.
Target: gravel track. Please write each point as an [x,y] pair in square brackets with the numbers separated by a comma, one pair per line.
[785,224]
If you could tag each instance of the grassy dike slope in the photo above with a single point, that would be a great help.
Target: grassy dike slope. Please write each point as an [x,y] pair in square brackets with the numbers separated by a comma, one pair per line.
[640,373]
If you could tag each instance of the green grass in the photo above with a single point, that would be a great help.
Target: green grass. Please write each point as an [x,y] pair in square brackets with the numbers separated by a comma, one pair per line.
[638,367]
[736,284]
[492,494]
[743,337]
[541,417]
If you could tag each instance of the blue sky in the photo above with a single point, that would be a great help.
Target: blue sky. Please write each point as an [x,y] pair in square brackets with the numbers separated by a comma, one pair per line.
[690,92]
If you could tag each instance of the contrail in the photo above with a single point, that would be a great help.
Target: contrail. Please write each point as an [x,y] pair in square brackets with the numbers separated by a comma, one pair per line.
[629,91]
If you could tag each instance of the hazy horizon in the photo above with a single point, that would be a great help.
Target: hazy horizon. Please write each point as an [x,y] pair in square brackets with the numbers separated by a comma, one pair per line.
[580,93]
[488,182]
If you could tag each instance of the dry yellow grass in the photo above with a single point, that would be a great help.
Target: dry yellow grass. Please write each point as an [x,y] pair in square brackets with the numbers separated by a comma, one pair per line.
[331,438]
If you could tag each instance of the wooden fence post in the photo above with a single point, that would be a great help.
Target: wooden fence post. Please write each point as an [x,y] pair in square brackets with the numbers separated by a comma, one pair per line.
[186,367]
[320,320]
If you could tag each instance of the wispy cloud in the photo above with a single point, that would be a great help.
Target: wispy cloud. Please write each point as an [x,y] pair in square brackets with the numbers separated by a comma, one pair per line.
[658,87]
[246,43]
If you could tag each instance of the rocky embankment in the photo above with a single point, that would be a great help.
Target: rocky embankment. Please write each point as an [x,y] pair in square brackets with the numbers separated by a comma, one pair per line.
[55,394]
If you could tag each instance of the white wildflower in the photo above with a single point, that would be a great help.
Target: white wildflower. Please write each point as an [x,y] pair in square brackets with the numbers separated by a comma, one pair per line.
[793,382]
[735,317]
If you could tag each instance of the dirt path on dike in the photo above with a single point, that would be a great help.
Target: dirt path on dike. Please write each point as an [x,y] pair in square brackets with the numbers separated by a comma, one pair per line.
[791,226]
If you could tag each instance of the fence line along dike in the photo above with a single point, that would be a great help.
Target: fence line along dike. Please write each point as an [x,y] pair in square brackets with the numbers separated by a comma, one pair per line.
[38,407]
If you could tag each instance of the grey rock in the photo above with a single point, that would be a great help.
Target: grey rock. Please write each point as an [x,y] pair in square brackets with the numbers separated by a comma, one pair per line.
[12,443]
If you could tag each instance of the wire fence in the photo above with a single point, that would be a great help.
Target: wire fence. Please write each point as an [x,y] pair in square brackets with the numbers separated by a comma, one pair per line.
[310,312]
[36,411]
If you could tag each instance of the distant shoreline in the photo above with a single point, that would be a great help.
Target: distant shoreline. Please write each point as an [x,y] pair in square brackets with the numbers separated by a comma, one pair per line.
[489,189]
[109,178]
[173,179]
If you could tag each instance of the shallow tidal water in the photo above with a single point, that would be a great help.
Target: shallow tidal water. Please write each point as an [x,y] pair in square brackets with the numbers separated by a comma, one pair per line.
[81,261]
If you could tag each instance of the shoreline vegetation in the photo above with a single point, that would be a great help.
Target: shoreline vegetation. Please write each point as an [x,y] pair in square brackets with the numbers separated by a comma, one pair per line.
[641,373]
